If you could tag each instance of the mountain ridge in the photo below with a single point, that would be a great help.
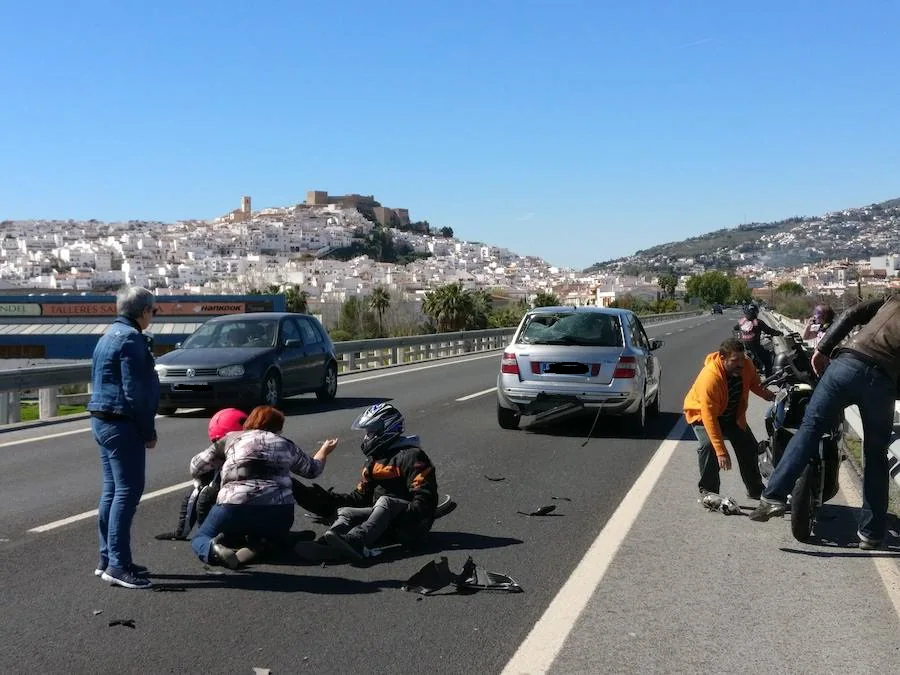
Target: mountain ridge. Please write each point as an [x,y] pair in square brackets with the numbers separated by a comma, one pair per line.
[858,231]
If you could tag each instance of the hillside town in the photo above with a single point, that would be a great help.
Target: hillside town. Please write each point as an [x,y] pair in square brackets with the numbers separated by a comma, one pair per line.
[290,247]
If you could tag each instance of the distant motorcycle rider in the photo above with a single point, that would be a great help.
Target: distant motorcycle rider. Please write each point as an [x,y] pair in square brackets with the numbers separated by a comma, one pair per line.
[397,492]
[749,331]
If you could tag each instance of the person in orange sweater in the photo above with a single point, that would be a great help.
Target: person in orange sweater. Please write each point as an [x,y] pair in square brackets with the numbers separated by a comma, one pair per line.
[716,409]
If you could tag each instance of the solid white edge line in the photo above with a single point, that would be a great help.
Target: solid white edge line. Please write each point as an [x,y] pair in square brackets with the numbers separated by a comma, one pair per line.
[542,645]
[69,433]
[43,438]
[477,394]
[887,568]
[90,514]
[449,362]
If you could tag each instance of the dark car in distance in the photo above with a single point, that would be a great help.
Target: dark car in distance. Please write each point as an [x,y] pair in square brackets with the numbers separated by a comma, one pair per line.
[246,360]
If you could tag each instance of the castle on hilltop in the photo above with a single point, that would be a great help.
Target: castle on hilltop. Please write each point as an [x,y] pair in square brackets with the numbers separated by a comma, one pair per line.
[365,204]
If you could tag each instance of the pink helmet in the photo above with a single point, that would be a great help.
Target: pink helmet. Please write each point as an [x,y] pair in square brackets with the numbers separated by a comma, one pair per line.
[225,421]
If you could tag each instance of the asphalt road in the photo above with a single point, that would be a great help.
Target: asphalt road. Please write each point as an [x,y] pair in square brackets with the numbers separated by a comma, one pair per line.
[338,618]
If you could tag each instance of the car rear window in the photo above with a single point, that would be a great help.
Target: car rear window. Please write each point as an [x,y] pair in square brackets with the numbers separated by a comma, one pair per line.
[571,328]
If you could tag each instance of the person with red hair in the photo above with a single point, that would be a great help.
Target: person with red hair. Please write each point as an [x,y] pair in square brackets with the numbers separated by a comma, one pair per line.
[255,498]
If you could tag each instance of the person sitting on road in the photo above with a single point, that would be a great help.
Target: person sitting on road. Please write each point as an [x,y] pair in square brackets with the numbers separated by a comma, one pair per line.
[749,329]
[716,404]
[863,373]
[256,498]
[197,503]
[397,493]
[818,324]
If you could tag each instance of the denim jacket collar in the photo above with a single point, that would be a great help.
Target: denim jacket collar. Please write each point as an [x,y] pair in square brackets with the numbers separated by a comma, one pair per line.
[128,322]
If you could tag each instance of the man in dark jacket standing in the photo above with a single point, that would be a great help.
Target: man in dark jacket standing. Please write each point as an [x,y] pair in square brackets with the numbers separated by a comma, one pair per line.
[862,373]
[125,395]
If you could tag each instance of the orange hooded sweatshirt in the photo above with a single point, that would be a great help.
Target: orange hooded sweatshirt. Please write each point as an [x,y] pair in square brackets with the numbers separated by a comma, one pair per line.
[708,397]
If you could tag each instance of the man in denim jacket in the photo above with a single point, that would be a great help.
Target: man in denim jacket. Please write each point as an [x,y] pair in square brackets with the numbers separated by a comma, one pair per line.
[125,395]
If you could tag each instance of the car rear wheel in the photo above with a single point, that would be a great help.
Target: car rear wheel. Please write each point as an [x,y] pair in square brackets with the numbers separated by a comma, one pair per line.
[637,421]
[653,410]
[329,386]
[271,390]
[506,418]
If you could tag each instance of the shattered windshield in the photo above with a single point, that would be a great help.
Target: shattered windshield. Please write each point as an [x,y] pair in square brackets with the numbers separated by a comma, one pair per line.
[238,333]
[571,328]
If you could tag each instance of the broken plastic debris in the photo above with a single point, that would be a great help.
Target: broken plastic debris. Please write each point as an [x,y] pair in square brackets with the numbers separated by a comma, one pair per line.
[725,505]
[495,479]
[98,611]
[543,511]
[436,575]
[128,623]
[261,671]
[562,499]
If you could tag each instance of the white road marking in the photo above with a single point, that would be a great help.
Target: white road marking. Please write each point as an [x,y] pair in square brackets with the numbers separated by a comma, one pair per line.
[92,514]
[477,394]
[60,434]
[43,438]
[494,355]
[541,646]
[887,568]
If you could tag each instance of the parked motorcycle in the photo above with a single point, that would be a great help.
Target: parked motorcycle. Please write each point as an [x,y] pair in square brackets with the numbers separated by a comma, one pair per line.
[795,379]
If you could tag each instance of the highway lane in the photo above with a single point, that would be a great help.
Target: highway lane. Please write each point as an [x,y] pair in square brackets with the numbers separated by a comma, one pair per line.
[337,618]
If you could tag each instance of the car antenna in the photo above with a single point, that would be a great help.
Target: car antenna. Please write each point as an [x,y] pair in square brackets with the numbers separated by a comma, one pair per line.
[596,417]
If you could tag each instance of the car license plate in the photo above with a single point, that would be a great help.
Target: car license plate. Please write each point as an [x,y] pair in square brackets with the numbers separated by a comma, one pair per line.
[193,386]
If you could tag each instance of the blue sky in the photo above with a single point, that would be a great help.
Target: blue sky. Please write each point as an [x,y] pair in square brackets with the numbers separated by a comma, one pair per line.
[574,130]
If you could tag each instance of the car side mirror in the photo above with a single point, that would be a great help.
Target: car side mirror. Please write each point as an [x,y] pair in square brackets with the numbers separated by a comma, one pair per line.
[293,342]
[177,345]
[656,344]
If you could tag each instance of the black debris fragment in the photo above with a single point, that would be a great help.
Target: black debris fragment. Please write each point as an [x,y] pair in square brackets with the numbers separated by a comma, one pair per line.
[128,623]
[543,511]
[561,499]
[168,589]
[436,575]
[495,479]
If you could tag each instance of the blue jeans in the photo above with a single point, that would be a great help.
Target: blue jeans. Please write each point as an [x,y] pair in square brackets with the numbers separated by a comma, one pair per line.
[847,381]
[234,520]
[123,465]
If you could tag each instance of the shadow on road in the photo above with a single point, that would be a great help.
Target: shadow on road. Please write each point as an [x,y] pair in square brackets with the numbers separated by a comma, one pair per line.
[277,582]
[835,535]
[659,427]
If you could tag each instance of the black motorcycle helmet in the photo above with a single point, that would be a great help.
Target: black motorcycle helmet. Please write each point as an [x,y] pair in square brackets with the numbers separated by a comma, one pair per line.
[751,311]
[383,424]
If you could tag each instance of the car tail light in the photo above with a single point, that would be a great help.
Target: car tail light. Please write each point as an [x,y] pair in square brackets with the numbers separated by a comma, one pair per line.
[625,368]
[508,364]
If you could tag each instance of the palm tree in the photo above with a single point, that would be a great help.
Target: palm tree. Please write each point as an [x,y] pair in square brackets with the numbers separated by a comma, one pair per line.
[379,302]
[448,307]
[546,299]
[296,301]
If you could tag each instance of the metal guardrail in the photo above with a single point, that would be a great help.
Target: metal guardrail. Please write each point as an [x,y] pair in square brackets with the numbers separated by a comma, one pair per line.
[851,414]
[353,356]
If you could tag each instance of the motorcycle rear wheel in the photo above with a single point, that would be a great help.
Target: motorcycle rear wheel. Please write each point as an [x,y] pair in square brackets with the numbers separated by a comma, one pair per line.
[803,503]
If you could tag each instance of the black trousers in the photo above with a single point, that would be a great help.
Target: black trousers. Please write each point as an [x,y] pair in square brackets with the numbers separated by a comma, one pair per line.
[745,450]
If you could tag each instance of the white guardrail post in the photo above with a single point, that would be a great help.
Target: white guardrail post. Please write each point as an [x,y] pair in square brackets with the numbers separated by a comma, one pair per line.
[353,356]
[851,414]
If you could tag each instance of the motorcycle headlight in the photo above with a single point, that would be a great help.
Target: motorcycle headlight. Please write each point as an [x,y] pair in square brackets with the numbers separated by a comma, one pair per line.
[231,371]
[160,370]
